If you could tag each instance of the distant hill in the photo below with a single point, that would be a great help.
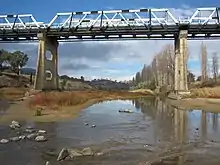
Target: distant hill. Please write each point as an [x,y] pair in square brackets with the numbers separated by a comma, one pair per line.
[28,71]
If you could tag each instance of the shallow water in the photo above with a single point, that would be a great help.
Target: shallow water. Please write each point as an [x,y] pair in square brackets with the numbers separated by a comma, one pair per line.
[155,133]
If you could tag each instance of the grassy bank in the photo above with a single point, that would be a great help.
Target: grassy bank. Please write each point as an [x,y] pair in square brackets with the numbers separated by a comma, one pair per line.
[54,100]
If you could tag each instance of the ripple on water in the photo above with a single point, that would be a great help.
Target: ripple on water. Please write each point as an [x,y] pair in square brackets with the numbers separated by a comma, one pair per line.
[153,132]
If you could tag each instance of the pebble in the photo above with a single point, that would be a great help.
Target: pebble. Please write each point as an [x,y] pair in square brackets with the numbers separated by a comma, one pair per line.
[29,130]
[47,163]
[42,131]
[22,137]
[40,139]
[4,141]
[14,139]
[32,136]
[93,126]
[16,124]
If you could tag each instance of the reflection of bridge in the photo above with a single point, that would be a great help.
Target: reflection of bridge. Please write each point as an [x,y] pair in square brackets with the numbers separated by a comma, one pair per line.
[180,126]
[109,25]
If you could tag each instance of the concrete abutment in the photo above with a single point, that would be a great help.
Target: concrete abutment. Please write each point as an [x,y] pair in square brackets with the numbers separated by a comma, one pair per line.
[47,68]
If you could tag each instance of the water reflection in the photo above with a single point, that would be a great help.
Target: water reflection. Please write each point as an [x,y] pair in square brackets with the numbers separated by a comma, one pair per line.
[164,129]
[187,125]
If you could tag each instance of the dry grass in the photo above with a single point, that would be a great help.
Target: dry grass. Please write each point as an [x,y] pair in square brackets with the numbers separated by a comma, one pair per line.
[12,93]
[73,98]
[206,92]
[146,91]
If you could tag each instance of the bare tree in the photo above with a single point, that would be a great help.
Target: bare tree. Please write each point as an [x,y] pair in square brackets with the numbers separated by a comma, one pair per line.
[215,66]
[204,62]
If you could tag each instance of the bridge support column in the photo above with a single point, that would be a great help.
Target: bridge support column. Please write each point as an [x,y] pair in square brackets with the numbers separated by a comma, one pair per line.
[181,61]
[47,72]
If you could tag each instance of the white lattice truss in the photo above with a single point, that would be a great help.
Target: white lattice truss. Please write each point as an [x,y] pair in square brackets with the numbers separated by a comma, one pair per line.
[115,18]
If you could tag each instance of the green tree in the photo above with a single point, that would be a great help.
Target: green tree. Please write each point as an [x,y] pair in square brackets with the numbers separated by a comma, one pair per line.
[17,60]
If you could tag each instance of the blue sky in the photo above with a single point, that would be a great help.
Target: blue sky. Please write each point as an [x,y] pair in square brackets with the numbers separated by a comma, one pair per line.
[116,60]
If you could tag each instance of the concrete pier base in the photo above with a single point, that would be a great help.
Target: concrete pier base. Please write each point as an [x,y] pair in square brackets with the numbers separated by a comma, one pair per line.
[47,67]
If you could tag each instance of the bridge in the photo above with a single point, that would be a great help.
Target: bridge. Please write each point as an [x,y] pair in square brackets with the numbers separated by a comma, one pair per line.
[204,23]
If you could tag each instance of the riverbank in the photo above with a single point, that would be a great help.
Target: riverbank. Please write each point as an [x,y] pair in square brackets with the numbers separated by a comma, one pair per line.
[207,99]
[61,105]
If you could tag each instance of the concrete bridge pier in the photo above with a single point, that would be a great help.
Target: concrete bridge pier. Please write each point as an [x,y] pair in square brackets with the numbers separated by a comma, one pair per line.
[181,61]
[47,67]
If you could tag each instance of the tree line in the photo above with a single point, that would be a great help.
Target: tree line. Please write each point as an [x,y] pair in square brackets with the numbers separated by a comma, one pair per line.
[160,72]
[12,61]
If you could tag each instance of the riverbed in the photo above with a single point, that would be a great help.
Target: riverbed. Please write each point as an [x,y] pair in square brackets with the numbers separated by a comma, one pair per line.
[154,133]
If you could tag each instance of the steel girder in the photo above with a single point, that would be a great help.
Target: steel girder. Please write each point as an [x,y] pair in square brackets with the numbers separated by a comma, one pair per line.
[107,23]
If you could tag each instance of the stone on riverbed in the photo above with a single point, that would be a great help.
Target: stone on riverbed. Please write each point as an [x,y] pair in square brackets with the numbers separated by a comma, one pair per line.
[4,141]
[42,131]
[22,137]
[64,153]
[29,130]
[40,139]
[15,124]
[125,111]
[68,153]
[14,139]
[32,136]
[87,152]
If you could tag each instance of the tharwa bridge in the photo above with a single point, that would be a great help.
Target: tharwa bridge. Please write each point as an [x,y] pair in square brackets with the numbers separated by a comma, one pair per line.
[161,24]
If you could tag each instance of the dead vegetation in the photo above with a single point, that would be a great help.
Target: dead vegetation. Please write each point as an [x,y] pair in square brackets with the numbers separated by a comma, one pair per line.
[12,93]
[206,92]
[72,98]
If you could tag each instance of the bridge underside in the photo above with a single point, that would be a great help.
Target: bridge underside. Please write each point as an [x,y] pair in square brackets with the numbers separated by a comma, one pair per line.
[106,33]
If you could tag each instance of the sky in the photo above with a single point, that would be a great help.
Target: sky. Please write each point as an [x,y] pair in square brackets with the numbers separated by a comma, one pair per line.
[117,60]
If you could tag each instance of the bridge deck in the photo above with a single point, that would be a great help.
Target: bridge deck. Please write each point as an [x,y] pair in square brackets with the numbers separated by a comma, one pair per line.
[95,25]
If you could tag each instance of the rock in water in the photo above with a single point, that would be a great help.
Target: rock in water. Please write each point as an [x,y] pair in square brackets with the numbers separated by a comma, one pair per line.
[16,124]
[63,154]
[126,111]
[42,131]
[12,126]
[15,139]
[99,153]
[29,130]
[22,137]
[4,141]
[74,153]
[47,163]
[40,139]
[87,152]
[32,136]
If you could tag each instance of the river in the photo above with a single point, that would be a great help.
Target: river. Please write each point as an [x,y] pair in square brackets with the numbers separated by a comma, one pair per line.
[155,132]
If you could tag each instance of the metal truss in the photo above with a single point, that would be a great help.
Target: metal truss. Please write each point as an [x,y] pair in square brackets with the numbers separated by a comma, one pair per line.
[93,24]
[204,16]
[114,18]
[19,22]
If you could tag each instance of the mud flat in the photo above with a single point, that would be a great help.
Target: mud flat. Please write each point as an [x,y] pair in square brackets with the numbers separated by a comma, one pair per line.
[206,104]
